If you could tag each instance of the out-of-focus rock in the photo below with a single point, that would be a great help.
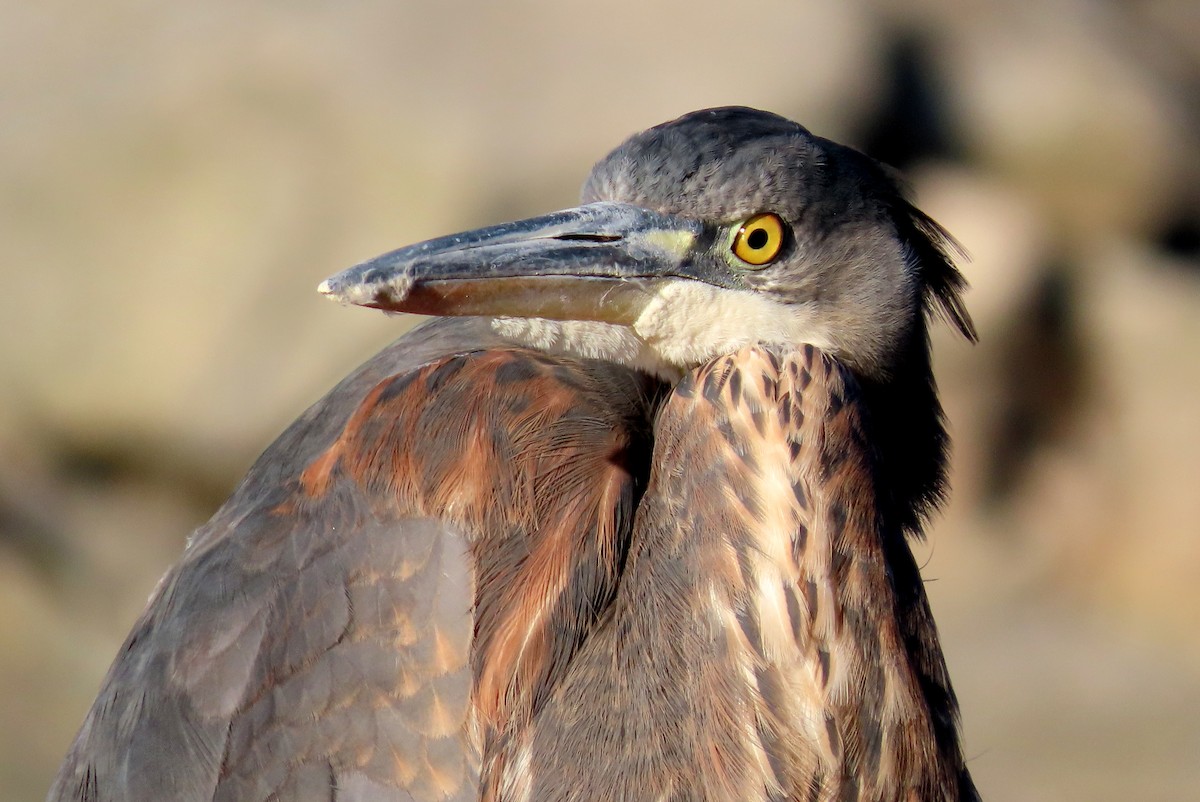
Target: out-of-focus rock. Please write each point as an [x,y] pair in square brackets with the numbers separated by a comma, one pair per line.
[1141,558]
[1053,98]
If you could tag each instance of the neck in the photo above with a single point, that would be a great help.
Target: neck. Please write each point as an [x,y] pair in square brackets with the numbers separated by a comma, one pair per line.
[784,644]
[902,410]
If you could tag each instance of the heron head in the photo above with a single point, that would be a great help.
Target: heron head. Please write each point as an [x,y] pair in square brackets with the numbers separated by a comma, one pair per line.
[720,229]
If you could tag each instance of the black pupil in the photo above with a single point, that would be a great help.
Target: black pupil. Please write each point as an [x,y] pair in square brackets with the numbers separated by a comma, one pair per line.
[757,239]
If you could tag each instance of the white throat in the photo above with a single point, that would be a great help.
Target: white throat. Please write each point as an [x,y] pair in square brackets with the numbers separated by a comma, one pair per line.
[682,324]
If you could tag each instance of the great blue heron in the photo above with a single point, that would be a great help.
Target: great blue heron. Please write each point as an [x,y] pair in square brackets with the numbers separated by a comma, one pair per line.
[634,528]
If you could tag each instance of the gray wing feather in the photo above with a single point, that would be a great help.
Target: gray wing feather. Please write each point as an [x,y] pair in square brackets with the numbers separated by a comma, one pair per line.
[295,655]
[316,638]
[245,712]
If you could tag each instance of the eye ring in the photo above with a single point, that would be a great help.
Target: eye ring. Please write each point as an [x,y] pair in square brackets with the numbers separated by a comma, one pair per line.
[760,239]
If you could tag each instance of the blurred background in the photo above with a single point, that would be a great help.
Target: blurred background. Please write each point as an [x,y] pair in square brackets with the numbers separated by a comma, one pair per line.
[176,178]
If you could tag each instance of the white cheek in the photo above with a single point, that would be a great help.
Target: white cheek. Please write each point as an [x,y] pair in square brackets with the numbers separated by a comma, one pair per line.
[687,322]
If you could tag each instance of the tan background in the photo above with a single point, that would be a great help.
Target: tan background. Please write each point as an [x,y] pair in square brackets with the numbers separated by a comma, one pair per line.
[175,178]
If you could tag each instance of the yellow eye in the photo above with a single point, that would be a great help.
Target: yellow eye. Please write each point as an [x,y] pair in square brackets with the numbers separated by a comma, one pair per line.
[759,240]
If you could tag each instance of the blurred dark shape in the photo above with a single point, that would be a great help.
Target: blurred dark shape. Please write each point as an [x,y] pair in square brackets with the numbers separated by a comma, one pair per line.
[1044,368]
[1180,234]
[914,120]
[28,529]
